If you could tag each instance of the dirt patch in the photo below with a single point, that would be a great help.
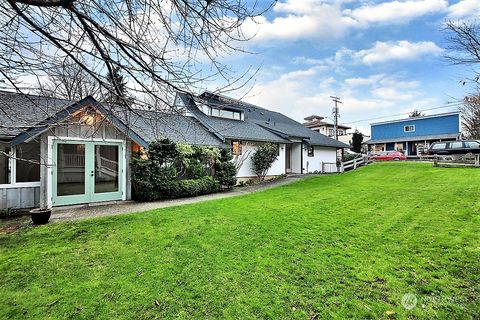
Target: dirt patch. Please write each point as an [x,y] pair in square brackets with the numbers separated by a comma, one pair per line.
[12,225]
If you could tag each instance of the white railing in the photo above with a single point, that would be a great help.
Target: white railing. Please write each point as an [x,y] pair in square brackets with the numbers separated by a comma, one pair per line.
[109,164]
[354,164]
[73,160]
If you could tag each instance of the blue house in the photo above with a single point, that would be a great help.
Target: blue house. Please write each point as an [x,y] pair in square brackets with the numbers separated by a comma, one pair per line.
[413,135]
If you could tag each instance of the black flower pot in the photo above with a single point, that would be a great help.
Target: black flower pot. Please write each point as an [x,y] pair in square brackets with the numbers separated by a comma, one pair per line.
[40,216]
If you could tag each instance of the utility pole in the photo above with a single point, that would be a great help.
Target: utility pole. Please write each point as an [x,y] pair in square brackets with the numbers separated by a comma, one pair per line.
[335,115]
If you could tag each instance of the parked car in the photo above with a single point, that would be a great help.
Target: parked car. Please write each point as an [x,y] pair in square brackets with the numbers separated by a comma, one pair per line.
[454,147]
[388,156]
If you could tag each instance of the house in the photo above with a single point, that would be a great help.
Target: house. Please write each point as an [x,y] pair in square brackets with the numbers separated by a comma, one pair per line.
[56,152]
[317,124]
[412,135]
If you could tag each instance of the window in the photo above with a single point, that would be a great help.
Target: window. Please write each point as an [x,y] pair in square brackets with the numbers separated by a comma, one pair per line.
[224,113]
[4,163]
[310,151]
[409,128]
[237,147]
[330,132]
[437,146]
[472,144]
[28,162]
[456,145]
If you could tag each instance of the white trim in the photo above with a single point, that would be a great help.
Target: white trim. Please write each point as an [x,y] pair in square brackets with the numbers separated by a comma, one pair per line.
[52,139]
[87,140]
[124,173]
[412,126]
[49,171]
[20,185]
[12,166]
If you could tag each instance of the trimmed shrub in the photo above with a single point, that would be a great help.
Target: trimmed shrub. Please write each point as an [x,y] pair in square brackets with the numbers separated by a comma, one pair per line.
[196,187]
[225,171]
[160,175]
[263,159]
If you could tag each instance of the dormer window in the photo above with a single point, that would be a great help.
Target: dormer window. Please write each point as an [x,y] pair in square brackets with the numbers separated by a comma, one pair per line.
[225,113]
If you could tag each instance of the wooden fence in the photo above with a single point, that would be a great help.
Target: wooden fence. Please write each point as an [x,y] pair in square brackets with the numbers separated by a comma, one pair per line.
[331,167]
[467,160]
[354,164]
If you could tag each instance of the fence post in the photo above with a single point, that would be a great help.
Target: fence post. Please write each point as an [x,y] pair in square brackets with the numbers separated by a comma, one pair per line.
[354,163]
[342,169]
[435,161]
[323,167]
[477,160]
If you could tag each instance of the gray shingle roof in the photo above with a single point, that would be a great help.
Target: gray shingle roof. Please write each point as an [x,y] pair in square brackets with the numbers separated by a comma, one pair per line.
[151,125]
[259,120]
[19,112]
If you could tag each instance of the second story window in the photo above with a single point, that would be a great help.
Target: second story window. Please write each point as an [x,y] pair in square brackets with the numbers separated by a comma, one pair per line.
[224,113]
[409,128]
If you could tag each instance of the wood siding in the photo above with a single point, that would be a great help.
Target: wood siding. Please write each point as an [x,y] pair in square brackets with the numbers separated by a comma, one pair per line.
[19,197]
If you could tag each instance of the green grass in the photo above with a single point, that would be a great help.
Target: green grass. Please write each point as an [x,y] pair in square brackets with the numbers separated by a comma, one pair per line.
[339,246]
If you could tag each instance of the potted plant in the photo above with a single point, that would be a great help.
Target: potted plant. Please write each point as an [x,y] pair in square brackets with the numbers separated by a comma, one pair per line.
[40,215]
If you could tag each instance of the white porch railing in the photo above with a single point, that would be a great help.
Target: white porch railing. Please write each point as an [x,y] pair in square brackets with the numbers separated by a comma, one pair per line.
[72,160]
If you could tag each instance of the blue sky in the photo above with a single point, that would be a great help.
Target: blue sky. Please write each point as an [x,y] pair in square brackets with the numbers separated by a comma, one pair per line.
[381,58]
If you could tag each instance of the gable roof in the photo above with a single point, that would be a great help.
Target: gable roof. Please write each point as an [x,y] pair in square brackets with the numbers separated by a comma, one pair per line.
[25,116]
[259,124]
[19,112]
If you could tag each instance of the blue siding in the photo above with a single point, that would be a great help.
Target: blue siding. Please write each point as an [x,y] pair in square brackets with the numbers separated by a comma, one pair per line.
[448,124]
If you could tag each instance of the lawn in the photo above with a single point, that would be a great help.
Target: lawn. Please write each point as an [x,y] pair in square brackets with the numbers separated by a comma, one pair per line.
[337,246]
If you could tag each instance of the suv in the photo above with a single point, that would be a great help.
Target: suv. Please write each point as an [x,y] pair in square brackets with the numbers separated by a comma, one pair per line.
[454,147]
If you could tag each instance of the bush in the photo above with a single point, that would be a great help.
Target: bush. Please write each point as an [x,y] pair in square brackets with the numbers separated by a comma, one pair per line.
[157,177]
[263,158]
[225,171]
[194,169]
[196,187]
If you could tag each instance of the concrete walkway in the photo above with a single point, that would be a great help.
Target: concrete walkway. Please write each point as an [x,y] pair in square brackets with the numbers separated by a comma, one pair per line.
[115,208]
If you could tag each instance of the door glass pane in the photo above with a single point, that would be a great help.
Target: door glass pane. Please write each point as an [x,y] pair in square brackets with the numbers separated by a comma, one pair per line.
[70,169]
[106,168]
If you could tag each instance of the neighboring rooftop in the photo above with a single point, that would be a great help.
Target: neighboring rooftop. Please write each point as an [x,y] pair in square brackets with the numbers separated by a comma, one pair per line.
[314,121]
[417,118]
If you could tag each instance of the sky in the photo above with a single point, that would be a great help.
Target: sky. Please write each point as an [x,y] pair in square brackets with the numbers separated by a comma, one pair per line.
[381,58]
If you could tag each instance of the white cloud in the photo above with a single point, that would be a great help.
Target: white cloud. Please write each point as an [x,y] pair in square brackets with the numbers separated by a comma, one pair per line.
[300,19]
[399,50]
[307,91]
[305,19]
[396,11]
[358,82]
[464,9]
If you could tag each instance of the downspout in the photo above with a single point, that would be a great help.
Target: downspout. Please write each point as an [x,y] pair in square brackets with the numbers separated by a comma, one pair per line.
[301,158]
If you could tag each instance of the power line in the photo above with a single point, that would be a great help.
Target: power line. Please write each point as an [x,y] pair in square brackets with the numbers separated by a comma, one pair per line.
[335,115]
[451,104]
